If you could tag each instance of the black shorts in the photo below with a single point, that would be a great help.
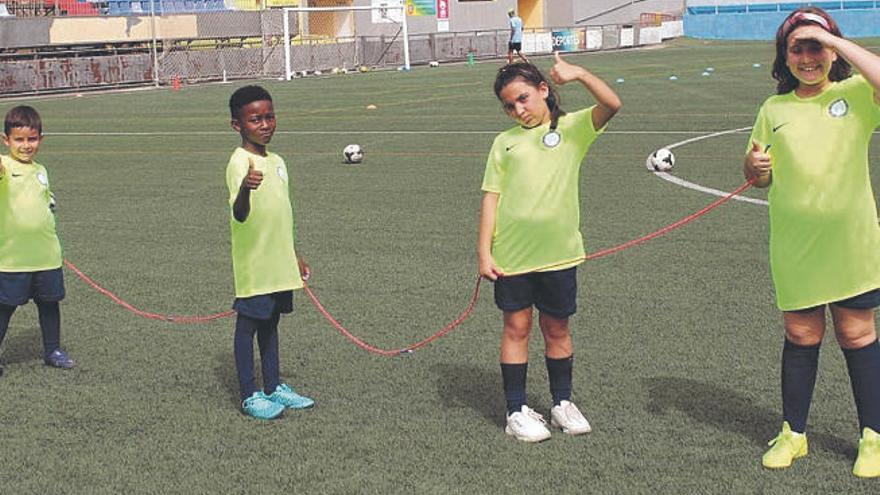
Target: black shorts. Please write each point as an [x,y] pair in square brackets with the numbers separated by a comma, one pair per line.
[514,46]
[262,306]
[867,300]
[16,288]
[553,293]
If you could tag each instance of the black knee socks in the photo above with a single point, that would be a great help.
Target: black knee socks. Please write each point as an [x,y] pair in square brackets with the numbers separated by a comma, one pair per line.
[514,378]
[559,374]
[864,374]
[799,365]
[50,325]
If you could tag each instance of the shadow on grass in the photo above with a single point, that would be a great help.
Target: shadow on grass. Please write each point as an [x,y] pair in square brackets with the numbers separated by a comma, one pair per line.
[476,387]
[226,375]
[24,346]
[727,410]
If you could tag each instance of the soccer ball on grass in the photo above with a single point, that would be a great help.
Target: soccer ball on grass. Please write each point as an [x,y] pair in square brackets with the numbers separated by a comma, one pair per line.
[661,160]
[353,154]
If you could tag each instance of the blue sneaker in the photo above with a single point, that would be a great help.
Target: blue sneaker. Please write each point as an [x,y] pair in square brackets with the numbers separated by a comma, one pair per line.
[59,359]
[258,406]
[287,397]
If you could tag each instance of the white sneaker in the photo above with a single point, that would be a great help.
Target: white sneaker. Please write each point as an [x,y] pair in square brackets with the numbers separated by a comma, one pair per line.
[567,416]
[527,425]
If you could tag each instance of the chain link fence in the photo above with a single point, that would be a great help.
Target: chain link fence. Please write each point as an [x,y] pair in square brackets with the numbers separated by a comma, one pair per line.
[177,48]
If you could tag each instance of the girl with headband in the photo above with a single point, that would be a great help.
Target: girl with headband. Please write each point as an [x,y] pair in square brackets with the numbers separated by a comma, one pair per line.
[810,146]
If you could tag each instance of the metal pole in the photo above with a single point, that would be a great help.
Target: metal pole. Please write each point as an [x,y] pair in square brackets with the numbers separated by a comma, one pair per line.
[155,50]
[405,42]
[286,45]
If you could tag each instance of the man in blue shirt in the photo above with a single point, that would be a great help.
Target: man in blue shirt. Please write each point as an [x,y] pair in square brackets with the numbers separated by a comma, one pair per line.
[516,33]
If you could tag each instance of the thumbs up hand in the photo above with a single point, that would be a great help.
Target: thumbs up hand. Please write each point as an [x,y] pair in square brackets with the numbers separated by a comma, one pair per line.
[254,177]
[758,163]
[564,72]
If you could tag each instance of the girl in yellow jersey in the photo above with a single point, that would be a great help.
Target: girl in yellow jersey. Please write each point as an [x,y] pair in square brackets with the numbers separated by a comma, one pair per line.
[810,146]
[529,237]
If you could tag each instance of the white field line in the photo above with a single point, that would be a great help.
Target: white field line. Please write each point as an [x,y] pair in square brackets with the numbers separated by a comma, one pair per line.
[696,187]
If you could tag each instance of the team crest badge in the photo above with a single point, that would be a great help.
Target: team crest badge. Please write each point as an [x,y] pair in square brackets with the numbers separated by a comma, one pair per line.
[838,109]
[281,172]
[43,179]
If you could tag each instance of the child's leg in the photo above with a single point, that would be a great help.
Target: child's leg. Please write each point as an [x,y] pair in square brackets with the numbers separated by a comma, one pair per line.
[243,344]
[267,340]
[515,357]
[50,324]
[800,362]
[857,336]
[5,315]
[558,355]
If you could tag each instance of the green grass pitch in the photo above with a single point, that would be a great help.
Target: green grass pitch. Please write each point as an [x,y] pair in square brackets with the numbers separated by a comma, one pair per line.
[677,340]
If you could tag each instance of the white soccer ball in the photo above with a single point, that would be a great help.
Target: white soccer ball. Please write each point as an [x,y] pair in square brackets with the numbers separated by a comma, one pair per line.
[661,160]
[353,154]
[434,63]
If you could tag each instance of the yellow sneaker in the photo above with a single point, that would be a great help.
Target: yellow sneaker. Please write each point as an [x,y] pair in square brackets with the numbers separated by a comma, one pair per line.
[868,462]
[785,448]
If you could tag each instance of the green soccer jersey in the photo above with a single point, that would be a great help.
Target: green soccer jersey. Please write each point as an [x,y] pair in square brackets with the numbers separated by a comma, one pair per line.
[28,241]
[537,221]
[263,258]
[824,237]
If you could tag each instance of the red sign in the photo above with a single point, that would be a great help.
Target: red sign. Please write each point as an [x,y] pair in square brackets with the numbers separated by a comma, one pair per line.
[442,9]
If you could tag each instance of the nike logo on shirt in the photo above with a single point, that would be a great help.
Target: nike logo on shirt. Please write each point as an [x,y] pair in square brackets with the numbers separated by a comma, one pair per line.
[779,126]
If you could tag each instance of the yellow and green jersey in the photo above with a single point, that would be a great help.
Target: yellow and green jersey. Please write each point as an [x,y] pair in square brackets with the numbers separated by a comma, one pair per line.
[824,237]
[537,221]
[263,257]
[28,241]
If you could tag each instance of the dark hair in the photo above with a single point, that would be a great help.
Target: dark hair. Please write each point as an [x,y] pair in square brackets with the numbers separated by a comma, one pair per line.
[786,82]
[22,116]
[245,96]
[533,76]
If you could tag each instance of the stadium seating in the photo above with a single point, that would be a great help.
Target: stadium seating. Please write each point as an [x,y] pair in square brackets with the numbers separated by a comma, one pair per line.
[779,7]
[142,7]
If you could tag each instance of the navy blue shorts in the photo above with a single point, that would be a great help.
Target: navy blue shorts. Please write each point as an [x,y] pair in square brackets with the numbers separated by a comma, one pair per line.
[514,46]
[261,307]
[553,293]
[16,288]
[867,300]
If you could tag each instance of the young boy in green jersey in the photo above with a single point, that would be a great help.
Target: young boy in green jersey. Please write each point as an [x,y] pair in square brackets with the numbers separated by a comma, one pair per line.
[810,146]
[265,264]
[30,253]
[529,239]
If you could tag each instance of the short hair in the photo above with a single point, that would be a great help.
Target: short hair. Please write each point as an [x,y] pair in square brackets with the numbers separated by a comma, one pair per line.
[245,96]
[785,80]
[22,116]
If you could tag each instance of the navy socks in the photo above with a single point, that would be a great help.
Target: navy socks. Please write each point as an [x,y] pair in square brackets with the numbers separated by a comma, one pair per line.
[559,374]
[50,325]
[514,378]
[799,365]
[864,374]
[5,316]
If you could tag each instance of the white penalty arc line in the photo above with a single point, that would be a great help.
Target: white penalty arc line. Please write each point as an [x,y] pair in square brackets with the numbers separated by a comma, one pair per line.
[696,187]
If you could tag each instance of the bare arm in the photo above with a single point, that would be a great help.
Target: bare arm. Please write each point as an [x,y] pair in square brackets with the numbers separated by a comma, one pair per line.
[484,237]
[607,101]
[866,62]
[241,207]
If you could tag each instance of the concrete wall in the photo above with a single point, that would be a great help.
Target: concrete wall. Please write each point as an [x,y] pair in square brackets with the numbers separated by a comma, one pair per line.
[623,11]
[763,25]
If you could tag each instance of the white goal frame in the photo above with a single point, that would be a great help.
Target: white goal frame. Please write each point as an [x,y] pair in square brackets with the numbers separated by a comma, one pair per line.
[288,74]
